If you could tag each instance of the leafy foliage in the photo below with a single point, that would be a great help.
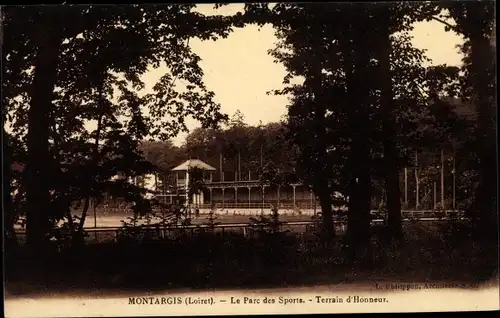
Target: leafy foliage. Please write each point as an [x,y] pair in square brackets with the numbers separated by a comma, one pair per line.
[317,45]
[97,115]
[267,225]
[262,149]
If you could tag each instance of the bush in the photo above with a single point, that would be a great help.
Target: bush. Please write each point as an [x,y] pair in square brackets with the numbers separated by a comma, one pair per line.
[211,222]
[65,236]
[267,226]
[455,232]
[270,242]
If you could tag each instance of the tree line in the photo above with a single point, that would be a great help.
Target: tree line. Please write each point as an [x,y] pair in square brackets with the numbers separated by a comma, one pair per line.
[237,150]
[244,152]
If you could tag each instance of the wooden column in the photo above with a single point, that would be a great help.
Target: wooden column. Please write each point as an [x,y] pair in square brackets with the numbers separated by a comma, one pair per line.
[164,181]
[156,183]
[220,167]
[311,199]
[223,198]
[187,188]
[177,182]
[239,166]
[406,188]
[263,196]
[278,193]
[249,196]
[435,196]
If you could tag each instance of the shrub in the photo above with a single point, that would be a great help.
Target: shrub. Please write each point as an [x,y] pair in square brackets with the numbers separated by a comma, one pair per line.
[270,241]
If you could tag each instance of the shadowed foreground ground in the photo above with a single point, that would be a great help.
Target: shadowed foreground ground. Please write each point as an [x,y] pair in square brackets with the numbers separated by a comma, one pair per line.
[443,253]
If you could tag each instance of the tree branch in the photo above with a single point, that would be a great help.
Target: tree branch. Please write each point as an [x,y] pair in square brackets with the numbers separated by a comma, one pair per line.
[95,154]
[455,28]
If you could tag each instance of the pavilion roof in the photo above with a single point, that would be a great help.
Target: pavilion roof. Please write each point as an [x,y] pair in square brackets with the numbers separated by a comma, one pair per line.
[193,163]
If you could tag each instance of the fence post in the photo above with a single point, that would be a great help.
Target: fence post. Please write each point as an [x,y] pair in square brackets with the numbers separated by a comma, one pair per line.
[435,196]
[406,187]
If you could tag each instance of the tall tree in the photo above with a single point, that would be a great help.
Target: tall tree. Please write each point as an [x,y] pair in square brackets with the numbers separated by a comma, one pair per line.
[303,33]
[59,60]
[358,94]
[387,109]
[48,41]
[163,154]
[475,21]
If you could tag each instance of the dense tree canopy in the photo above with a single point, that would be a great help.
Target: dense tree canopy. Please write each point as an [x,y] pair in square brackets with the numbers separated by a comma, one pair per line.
[242,148]
[79,68]
[369,92]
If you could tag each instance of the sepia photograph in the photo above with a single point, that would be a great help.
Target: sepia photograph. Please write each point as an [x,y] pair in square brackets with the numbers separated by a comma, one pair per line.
[249,158]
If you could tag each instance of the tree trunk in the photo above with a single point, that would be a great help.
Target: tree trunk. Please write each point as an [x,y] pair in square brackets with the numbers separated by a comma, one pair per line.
[86,205]
[486,136]
[95,154]
[358,226]
[391,156]
[322,188]
[10,234]
[37,178]
[65,201]
[326,212]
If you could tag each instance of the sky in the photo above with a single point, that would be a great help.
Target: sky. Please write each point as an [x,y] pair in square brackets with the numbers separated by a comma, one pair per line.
[239,70]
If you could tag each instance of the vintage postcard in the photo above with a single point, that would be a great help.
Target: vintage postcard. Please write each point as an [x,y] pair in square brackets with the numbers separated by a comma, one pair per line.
[258,158]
